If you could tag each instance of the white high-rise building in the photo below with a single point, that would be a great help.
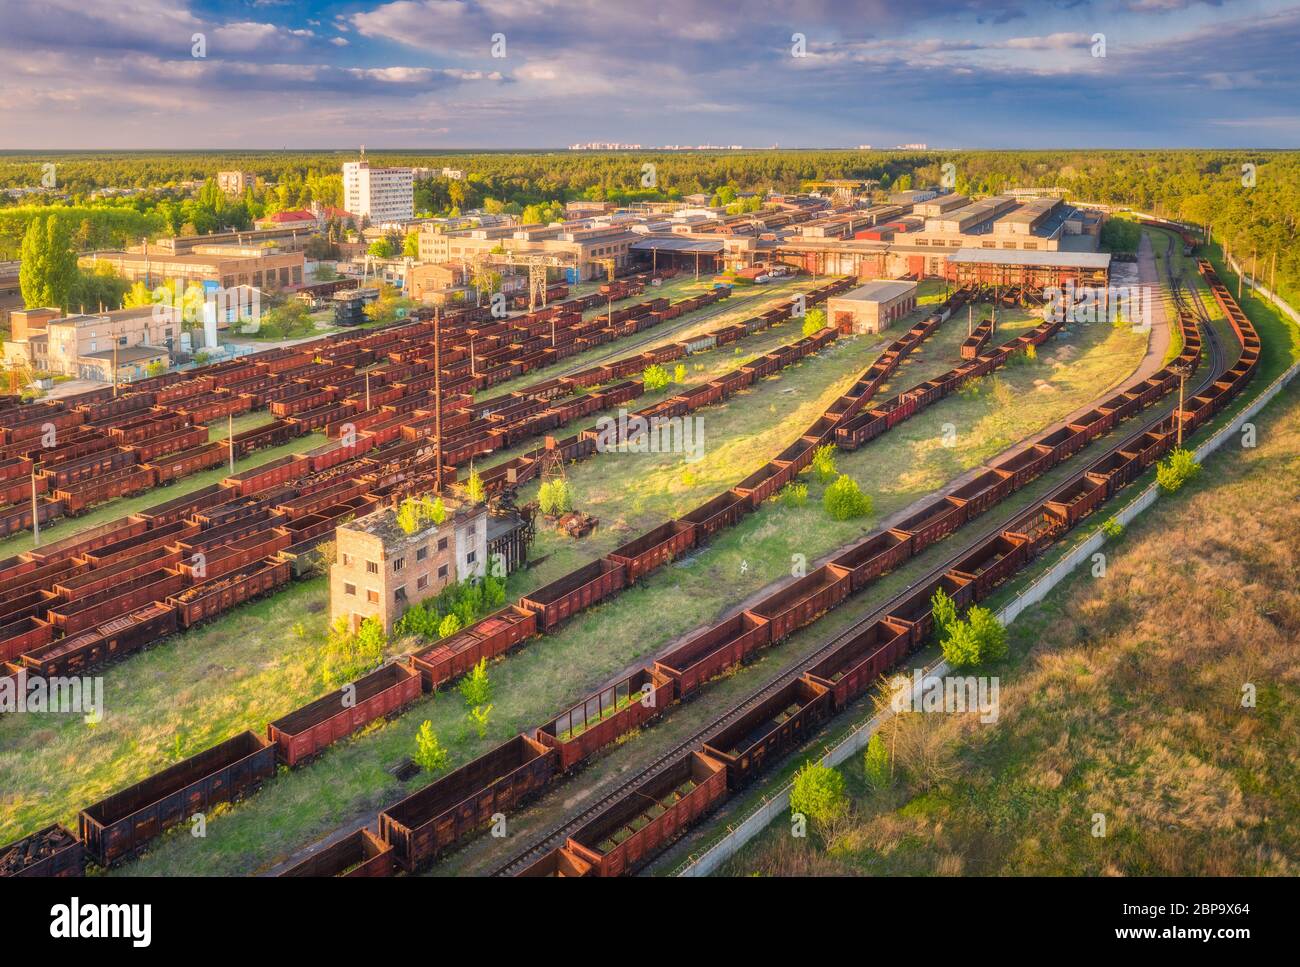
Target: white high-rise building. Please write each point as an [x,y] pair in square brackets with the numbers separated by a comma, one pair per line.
[378,194]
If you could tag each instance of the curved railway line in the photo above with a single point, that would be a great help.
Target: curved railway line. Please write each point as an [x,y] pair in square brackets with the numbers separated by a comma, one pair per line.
[553,840]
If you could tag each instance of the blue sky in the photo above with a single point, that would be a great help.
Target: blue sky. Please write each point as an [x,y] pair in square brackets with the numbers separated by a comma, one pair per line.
[420,73]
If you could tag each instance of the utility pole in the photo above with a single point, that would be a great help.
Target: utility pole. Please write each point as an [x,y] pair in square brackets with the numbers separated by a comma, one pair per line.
[1272,282]
[1183,373]
[437,395]
[36,517]
[367,389]
[970,320]
[230,439]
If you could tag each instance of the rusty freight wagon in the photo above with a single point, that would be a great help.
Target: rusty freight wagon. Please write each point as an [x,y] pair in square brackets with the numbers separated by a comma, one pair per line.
[934,522]
[1026,465]
[424,824]
[985,490]
[711,652]
[361,854]
[654,548]
[456,654]
[856,664]
[52,851]
[120,636]
[636,828]
[558,863]
[764,483]
[1116,470]
[94,609]
[600,719]
[878,554]
[306,732]
[120,571]
[1073,503]
[125,822]
[575,592]
[801,602]
[128,481]
[173,466]
[992,563]
[217,596]
[21,635]
[769,730]
[916,612]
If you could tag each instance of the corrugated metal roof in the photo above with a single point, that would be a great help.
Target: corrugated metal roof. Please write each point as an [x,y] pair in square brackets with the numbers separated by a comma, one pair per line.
[881,290]
[678,243]
[1056,260]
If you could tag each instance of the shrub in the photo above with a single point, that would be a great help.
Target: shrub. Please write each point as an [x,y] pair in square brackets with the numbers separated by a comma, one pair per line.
[814,322]
[478,717]
[654,378]
[1112,528]
[449,625]
[415,512]
[818,793]
[844,499]
[823,462]
[793,495]
[429,753]
[350,655]
[1176,469]
[476,687]
[465,601]
[679,373]
[875,763]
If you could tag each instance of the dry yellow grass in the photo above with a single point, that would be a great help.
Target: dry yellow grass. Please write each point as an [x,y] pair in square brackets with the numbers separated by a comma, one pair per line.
[1122,696]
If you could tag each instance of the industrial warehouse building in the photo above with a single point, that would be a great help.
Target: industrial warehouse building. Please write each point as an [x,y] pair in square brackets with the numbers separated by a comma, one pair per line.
[872,307]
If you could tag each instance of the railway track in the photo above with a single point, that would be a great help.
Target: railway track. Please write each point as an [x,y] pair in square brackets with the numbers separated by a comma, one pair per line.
[557,834]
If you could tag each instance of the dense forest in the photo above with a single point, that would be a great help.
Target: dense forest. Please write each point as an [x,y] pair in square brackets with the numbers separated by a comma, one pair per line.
[1252,209]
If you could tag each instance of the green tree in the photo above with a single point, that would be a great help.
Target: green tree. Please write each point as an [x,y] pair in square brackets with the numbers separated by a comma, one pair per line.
[411,245]
[814,321]
[875,763]
[474,489]
[381,248]
[429,753]
[944,610]
[818,793]
[49,265]
[476,687]
[980,638]
[844,499]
